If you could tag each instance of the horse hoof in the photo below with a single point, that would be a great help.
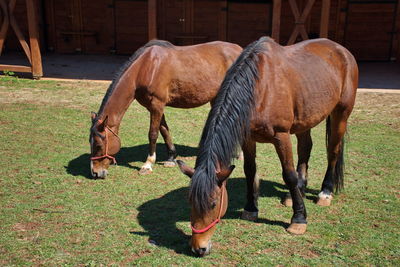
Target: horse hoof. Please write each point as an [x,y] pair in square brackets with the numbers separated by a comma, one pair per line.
[169,164]
[288,202]
[249,215]
[324,200]
[145,171]
[297,228]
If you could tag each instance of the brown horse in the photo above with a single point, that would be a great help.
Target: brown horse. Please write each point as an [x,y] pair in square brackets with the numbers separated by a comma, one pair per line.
[159,74]
[269,93]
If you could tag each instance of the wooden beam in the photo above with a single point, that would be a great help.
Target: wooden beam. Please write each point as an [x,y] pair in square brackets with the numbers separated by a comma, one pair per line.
[20,36]
[323,30]
[276,19]
[299,20]
[152,19]
[37,70]
[7,11]
[16,68]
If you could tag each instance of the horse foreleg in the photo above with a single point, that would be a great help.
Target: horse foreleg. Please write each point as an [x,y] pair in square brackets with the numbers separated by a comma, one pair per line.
[250,211]
[155,120]
[168,143]
[283,147]
[334,173]
[304,146]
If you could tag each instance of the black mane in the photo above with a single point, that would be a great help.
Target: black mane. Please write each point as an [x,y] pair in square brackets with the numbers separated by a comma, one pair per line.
[227,124]
[126,65]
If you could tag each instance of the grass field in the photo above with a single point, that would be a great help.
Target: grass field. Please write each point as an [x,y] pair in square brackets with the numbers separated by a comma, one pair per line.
[53,214]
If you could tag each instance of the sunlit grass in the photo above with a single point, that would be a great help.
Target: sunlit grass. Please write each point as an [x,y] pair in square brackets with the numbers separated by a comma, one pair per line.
[52,214]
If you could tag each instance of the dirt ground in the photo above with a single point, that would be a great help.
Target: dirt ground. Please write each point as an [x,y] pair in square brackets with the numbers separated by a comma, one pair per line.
[373,75]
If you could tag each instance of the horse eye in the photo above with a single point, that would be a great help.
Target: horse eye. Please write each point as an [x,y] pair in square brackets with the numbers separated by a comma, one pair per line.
[213,204]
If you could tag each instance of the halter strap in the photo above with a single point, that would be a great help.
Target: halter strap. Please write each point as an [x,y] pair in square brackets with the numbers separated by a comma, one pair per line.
[205,229]
[106,155]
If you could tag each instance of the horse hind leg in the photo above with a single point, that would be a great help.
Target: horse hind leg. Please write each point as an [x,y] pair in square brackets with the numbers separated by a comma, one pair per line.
[168,143]
[250,211]
[336,125]
[304,146]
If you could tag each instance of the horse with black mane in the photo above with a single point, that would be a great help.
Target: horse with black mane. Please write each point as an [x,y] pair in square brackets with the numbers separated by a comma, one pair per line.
[269,93]
[157,75]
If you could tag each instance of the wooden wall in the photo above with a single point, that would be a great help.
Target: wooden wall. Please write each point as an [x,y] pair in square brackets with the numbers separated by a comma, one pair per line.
[370,29]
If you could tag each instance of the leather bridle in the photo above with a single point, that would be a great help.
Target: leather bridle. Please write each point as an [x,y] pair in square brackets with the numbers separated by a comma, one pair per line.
[106,155]
[221,203]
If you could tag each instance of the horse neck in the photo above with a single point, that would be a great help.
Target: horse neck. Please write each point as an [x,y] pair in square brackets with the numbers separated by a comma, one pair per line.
[121,96]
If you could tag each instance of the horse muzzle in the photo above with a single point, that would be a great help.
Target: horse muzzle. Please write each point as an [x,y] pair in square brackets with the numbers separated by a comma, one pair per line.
[98,173]
[201,252]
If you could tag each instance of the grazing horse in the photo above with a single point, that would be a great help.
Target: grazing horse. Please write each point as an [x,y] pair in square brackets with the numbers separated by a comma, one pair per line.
[157,75]
[269,93]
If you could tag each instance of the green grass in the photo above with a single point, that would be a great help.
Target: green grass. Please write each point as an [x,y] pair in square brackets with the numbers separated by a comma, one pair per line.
[52,214]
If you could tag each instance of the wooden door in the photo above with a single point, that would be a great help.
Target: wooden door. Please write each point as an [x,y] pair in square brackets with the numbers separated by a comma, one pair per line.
[369,29]
[187,22]
[82,26]
[205,21]
[97,26]
[65,23]
[248,21]
[131,25]
[173,20]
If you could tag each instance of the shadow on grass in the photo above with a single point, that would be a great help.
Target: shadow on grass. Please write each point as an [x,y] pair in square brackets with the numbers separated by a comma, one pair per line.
[159,216]
[80,166]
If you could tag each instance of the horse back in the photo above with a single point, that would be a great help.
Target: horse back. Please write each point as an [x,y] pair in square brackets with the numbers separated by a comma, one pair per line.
[300,85]
[186,76]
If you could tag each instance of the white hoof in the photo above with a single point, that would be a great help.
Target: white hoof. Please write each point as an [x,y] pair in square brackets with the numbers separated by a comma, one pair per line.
[324,199]
[145,170]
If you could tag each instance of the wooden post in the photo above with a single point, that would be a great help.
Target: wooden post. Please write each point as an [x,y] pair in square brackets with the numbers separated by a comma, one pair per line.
[152,19]
[32,51]
[276,19]
[37,70]
[323,31]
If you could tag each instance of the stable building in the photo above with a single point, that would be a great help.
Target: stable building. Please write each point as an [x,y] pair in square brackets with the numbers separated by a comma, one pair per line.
[368,28]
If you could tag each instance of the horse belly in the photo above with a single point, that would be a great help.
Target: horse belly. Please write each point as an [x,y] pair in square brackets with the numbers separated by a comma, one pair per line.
[315,110]
[191,94]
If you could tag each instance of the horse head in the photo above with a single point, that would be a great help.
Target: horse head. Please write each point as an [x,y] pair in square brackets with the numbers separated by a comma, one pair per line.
[104,144]
[203,221]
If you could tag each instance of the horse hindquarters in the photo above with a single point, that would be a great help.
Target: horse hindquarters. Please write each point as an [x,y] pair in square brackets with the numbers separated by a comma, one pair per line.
[336,125]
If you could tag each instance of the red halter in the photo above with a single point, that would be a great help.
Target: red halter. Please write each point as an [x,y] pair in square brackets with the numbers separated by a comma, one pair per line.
[195,231]
[106,155]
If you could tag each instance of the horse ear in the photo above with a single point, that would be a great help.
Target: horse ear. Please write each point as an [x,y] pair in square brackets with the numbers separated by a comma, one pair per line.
[185,169]
[103,124]
[222,175]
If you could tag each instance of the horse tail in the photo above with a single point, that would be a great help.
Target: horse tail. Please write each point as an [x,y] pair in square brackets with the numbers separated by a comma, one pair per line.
[338,173]
[227,124]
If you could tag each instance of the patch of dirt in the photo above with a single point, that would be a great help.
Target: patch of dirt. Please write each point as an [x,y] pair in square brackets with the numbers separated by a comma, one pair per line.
[130,258]
[72,94]
[23,227]
[377,107]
